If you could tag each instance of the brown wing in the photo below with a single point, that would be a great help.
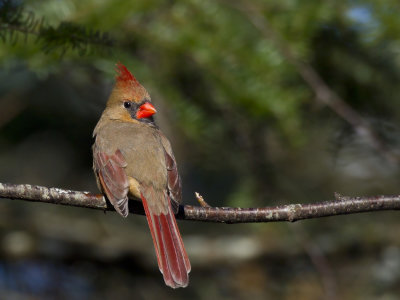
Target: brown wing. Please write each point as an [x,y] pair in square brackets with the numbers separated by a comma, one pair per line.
[173,179]
[110,170]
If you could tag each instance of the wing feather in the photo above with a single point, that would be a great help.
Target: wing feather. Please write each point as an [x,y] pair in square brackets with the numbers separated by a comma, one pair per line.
[174,184]
[110,170]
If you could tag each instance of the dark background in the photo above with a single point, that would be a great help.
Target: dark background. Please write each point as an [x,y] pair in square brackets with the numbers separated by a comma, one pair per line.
[246,129]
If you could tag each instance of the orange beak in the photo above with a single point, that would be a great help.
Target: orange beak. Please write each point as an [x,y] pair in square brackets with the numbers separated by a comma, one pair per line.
[146,110]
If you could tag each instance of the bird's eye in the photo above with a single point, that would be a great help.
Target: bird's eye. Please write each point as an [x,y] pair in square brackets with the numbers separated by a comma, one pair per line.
[127,104]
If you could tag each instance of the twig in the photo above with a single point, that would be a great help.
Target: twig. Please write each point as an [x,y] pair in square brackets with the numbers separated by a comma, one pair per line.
[201,200]
[290,213]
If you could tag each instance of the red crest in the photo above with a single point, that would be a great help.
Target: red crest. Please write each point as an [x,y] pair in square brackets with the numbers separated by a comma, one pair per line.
[124,76]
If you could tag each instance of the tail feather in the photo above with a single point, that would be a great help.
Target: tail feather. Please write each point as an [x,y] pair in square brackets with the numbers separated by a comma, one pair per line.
[188,267]
[162,260]
[175,258]
[171,255]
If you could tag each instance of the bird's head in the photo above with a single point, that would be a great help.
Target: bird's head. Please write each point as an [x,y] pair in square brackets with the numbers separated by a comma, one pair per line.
[129,100]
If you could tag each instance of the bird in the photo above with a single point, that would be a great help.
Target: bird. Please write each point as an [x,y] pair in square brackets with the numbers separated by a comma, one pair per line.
[132,159]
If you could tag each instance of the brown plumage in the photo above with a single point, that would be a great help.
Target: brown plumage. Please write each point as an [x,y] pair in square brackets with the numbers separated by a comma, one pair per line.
[132,158]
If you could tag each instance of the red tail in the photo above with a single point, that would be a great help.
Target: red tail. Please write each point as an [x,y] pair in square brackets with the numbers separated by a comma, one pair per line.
[171,254]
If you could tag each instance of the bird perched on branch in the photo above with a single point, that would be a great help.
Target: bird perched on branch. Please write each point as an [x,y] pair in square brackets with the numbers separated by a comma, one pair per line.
[133,159]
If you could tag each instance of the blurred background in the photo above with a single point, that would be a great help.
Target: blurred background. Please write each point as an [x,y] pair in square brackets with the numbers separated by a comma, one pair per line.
[229,80]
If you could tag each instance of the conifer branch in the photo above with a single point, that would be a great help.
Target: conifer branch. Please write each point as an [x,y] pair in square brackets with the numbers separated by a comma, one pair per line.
[15,22]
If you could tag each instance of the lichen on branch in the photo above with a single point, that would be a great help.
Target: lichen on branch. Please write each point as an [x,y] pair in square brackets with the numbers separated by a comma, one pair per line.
[290,213]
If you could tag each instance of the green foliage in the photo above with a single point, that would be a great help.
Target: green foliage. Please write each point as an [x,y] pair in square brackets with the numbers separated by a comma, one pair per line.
[245,126]
[15,22]
[226,84]
[68,36]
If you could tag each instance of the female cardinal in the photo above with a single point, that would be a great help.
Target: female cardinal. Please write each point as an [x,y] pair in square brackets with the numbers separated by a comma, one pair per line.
[132,158]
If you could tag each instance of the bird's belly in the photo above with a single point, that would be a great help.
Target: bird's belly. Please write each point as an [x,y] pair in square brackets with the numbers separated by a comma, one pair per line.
[134,188]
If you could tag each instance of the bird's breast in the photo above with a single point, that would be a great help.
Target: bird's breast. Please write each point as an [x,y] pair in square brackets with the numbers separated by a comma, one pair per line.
[141,147]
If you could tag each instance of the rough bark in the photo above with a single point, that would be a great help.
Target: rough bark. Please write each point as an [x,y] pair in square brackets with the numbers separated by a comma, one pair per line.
[289,213]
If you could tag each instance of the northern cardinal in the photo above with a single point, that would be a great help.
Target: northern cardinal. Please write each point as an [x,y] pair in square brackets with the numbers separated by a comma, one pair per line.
[133,159]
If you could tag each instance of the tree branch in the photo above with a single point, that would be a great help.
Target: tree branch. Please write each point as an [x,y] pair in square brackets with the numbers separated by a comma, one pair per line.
[324,94]
[292,212]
